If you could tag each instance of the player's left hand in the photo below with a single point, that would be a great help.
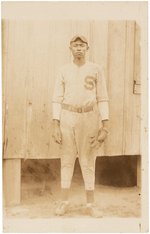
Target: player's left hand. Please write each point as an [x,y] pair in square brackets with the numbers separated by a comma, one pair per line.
[96,141]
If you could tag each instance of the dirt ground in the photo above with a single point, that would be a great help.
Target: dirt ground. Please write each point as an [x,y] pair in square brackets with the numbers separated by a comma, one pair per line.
[40,197]
[36,212]
[112,201]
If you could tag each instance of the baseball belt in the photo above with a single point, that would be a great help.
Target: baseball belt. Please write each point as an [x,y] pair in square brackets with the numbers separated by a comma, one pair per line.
[77,109]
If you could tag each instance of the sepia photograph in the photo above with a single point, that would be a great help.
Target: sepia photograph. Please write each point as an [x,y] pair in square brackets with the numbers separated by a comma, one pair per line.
[74,117]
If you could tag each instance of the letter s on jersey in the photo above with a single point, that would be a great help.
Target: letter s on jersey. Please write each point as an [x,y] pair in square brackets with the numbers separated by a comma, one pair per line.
[89,82]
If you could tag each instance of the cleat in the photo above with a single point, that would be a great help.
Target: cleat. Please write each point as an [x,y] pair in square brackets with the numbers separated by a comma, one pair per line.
[62,208]
[93,212]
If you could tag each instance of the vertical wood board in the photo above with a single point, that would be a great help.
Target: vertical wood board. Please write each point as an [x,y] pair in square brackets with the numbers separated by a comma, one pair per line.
[12,181]
[15,97]
[128,130]
[116,69]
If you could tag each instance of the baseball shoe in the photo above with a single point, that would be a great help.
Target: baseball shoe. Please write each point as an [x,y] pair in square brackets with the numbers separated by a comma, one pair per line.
[93,211]
[62,208]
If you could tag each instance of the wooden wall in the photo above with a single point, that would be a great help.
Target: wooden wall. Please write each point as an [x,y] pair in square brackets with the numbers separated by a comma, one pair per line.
[32,53]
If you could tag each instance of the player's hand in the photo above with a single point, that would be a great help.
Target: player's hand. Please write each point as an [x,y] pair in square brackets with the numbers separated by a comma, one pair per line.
[96,141]
[102,135]
[57,135]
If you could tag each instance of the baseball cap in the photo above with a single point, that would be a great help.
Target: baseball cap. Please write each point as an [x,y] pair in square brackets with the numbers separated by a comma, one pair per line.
[82,38]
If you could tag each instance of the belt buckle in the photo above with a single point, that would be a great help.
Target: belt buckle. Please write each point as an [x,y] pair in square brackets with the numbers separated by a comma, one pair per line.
[80,110]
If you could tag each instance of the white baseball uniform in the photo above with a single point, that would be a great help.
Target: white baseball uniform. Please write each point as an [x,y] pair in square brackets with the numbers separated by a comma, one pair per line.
[79,87]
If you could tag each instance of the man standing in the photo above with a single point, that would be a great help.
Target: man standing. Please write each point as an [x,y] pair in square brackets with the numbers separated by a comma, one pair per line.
[80,119]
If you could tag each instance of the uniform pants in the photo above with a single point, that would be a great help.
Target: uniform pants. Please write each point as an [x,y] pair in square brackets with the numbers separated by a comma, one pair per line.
[77,130]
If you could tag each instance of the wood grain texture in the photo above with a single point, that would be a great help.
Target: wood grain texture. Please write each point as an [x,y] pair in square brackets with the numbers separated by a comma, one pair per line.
[12,181]
[137,66]
[116,76]
[131,102]
[15,98]
[100,44]
[4,82]
[128,130]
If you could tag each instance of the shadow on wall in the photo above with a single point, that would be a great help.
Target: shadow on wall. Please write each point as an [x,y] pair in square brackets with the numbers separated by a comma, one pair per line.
[114,171]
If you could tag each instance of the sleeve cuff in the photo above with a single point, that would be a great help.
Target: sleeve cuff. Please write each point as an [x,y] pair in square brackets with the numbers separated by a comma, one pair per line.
[56,110]
[103,110]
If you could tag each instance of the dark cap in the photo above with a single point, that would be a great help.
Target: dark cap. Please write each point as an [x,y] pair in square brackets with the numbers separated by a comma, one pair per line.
[82,38]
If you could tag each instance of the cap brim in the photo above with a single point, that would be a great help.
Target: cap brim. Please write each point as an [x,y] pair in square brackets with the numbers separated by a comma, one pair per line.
[82,38]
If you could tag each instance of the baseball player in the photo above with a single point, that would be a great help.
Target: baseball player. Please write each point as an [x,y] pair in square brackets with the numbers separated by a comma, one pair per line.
[80,119]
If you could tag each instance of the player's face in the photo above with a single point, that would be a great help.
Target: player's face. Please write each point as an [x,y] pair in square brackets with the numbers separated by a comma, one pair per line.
[78,49]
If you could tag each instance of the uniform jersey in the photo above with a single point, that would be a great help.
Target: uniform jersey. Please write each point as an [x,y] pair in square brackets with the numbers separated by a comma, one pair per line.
[80,86]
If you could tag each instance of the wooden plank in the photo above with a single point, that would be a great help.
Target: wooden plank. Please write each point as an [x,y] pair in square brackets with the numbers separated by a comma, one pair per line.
[100,44]
[38,102]
[12,181]
[99,41]
[50,50]
[15,92]
[136,137]
[5,26]
[128,130]
[116,67]
[131,130]
[137,66]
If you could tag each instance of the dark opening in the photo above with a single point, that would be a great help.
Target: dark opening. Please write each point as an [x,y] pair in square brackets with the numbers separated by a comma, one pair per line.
[114,171]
